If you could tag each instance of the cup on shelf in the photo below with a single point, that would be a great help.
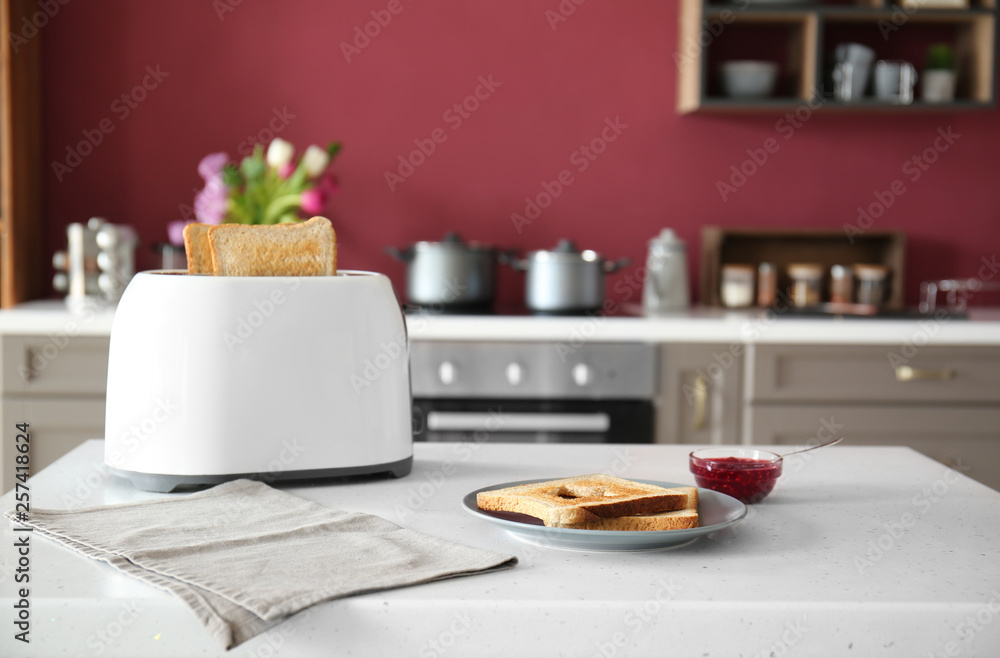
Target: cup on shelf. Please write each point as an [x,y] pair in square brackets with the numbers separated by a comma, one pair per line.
[851,71]
[894,81]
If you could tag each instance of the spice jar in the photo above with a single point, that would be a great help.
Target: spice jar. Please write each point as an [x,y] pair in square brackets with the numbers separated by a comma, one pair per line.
[841,284]
[807,279]
[767,284]
[737,290]
[871,284]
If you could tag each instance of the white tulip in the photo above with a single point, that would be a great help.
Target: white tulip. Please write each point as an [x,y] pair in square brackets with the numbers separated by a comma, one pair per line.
[279,153]
[315,160]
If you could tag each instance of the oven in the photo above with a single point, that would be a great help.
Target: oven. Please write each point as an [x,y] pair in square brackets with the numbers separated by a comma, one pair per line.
[545,392]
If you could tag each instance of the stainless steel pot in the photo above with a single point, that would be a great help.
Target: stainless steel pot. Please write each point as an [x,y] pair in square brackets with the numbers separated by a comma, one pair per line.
[565,279]
[450,274]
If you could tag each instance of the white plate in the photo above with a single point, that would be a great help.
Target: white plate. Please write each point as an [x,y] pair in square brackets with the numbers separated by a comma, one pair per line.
[715,510]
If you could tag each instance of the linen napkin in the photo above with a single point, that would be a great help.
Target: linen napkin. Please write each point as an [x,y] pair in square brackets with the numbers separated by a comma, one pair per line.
[244,556]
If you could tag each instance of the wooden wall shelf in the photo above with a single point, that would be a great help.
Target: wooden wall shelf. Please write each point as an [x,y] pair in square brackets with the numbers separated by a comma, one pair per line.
[721,246]
[801,38]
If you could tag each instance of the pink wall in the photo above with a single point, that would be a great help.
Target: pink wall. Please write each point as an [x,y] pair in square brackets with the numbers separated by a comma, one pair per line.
[226,77]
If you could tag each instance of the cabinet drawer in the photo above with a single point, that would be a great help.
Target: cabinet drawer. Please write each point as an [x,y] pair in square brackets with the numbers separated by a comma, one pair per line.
[964,438]
[54,365]
[850,373]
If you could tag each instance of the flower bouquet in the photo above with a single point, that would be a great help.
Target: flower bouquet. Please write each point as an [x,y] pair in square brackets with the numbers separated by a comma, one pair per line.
[271,188]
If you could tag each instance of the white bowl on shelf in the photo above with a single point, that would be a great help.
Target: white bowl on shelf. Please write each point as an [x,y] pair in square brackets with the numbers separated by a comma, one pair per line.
[748,78]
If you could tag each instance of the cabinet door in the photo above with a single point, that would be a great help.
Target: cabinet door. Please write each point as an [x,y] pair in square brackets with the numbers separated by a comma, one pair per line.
[56,426]
[699,396]
[55,365]
[966,438]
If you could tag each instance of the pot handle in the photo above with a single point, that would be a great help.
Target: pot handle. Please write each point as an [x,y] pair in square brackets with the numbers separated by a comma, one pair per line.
[403,255]
[615,265]
[509,257]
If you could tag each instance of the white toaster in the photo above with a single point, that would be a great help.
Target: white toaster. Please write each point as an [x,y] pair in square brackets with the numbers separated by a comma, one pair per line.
[217,378]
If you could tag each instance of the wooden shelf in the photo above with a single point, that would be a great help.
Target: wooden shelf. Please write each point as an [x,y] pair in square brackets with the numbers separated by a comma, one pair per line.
[799,37]
[721,246]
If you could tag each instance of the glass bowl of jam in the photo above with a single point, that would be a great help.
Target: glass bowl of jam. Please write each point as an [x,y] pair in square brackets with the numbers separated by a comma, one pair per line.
[743,473]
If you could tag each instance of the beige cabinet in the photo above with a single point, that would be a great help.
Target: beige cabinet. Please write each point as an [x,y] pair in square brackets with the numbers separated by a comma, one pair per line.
[700,400]
[942,401]
[55,384]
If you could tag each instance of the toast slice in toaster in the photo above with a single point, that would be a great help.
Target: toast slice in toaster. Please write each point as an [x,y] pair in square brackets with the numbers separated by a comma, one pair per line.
[304,249]
[674,520]
[199,255]
[583,499]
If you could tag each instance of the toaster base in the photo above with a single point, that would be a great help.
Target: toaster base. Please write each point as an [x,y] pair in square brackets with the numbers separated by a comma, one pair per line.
[165,483]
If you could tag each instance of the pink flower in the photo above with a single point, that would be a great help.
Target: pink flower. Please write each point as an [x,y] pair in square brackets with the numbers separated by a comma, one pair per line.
[329,184]
[175,231]
[210,204]
[286,170]
[312,200]
[211,165]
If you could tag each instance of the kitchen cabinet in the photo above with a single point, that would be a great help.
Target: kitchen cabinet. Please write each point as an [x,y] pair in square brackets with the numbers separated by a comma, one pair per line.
[699,398]
[942,401]
[23,264]
[801,38]
[56,384]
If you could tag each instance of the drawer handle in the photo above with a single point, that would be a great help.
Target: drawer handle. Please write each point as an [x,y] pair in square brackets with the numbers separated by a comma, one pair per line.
[700,402]
[909,374]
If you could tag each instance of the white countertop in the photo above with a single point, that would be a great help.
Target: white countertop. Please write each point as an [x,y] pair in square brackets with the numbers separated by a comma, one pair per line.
[859,551]
[699,325]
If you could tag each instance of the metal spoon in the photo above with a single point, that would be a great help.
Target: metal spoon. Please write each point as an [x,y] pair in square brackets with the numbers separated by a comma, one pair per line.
[822,445]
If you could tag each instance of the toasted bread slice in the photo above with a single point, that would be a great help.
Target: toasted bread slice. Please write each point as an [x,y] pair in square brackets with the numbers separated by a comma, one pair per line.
[199,255]
[675,520]
[306,249]
[582,499]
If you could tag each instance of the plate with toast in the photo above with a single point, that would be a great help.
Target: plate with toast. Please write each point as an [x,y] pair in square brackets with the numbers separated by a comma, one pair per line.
[599,512]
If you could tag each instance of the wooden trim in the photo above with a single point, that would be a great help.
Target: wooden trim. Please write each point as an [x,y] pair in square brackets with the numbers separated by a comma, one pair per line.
[22,260]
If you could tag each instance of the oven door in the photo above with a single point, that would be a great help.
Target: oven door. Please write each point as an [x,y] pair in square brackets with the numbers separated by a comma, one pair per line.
[534,421]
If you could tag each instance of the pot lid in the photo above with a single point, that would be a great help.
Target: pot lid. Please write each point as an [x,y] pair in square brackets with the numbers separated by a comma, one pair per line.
[452,241]
[566,250]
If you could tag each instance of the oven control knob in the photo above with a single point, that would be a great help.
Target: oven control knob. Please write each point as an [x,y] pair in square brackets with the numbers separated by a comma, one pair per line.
[583,374]
[447,373]
[515,373]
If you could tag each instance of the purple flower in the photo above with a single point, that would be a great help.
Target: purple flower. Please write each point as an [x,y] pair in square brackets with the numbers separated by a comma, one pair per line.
[175,231]
[210,204]
[211,165]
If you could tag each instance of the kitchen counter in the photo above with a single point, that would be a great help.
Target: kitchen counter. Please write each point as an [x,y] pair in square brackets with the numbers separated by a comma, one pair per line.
[698,325]
[859,551]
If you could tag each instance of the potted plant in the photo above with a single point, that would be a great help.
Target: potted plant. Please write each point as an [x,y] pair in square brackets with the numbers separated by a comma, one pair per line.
[938,85]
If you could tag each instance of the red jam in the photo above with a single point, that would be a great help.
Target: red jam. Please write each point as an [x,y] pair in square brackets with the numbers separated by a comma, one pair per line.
[747,480]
